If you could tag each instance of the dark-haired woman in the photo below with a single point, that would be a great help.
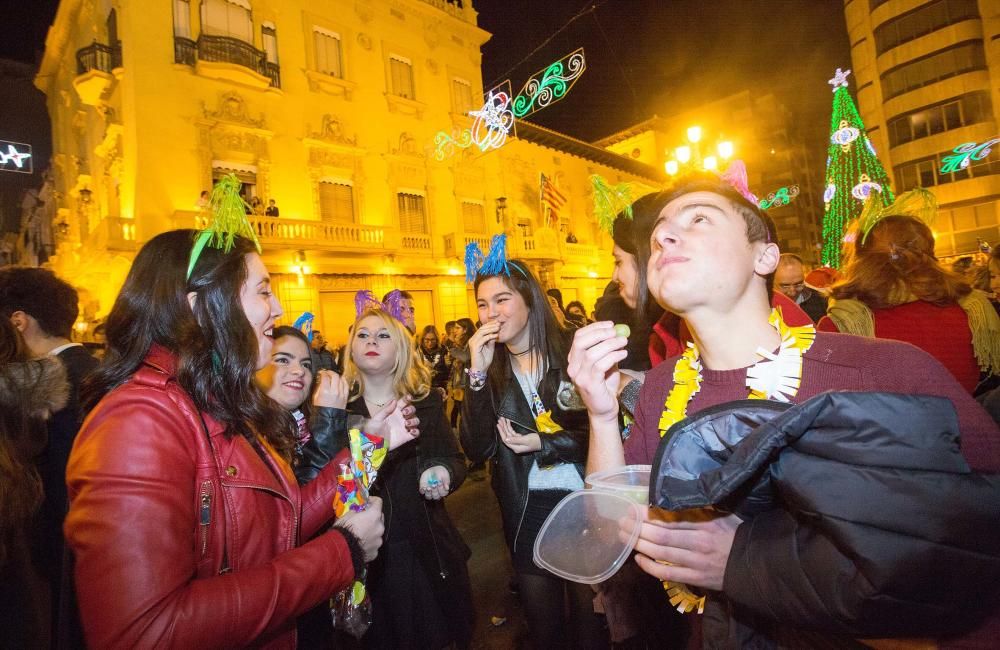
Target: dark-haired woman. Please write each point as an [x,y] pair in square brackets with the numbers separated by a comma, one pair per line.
[521,414]
[30,390]
[576,312]
[464,329]
[187,525]
[435,356]
[894,288]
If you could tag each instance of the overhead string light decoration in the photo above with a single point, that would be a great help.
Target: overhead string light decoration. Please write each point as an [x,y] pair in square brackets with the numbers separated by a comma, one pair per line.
[446,145]
[494,121]
[780,197]
[965,154]
[550,84]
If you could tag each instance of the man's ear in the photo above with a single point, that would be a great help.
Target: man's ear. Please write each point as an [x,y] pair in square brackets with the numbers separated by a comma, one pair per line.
[20,321]
[767,259]
[192,297]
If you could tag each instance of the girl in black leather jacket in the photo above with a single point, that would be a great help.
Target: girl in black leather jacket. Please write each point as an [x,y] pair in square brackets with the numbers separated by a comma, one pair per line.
[521,413]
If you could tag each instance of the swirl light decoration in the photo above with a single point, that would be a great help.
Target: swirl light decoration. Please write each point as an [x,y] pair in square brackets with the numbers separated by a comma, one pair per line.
[779,197]
[445,145]
[965,154]
[494,121]
[549,85]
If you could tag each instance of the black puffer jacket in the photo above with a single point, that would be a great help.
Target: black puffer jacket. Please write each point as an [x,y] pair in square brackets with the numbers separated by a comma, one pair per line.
[861,517]
[481,441]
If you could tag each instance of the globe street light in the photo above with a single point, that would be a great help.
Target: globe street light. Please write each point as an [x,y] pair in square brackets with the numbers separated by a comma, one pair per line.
[690,153]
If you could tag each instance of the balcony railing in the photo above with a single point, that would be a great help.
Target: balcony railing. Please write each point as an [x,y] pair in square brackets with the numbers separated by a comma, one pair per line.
[320,234]
[454,246]
[285,233]
[454,7]
[415,242]
[98,56]
[185,50]
[226,49]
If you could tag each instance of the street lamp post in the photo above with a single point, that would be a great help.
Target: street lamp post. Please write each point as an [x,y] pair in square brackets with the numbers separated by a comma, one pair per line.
[691,153]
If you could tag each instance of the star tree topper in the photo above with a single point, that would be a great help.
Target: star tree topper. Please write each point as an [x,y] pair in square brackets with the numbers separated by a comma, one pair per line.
[839,79]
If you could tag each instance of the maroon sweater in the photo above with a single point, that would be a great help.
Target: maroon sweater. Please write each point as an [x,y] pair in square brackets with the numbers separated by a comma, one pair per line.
[839,362]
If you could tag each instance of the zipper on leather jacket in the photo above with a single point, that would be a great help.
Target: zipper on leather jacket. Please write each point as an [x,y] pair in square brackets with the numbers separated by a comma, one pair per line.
[524,509]
[441,571]
[205,514]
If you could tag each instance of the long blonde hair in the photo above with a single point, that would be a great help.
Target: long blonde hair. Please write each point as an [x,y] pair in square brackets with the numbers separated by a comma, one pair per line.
[410,375]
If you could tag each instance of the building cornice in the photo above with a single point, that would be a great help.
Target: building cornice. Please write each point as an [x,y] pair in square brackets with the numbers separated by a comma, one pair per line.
[563,143]
[56,40]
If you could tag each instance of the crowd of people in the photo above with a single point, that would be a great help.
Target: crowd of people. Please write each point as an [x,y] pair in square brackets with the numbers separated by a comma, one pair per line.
[824,445]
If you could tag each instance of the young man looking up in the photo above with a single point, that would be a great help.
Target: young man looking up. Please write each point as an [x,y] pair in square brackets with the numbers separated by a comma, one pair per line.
[712,263]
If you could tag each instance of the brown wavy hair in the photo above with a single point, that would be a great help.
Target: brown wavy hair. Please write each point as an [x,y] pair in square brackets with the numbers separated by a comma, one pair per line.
[215,346]
[896,261]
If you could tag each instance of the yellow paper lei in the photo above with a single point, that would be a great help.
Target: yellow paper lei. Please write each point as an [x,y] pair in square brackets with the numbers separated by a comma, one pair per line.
[775,376]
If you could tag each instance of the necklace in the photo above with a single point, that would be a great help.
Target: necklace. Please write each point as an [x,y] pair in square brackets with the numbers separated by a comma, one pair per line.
[774,376]
[376,404]
[517,354]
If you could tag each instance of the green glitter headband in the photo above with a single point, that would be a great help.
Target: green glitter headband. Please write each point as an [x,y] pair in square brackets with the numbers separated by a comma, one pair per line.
[229,221]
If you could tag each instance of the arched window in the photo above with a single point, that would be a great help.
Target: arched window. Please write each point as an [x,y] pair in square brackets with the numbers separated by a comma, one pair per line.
[227,18]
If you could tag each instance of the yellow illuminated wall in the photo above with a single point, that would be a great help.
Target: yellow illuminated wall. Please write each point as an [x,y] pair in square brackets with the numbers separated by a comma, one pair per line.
[183,101]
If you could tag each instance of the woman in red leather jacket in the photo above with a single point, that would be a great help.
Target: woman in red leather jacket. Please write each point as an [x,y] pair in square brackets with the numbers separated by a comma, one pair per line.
[186,522]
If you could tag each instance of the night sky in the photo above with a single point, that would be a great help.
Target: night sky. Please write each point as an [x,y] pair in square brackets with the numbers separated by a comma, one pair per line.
[648,57]
[643,56]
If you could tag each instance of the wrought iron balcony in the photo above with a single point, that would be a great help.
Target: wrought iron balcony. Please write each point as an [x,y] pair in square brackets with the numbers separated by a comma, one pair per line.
[98,56]
[226,49]
[185,50]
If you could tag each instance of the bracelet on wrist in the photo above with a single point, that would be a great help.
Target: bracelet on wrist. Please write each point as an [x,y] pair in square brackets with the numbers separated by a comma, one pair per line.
[477,379]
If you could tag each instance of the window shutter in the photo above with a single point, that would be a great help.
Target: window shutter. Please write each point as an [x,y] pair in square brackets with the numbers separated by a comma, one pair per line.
[473,217]
[336,202]
[412,218]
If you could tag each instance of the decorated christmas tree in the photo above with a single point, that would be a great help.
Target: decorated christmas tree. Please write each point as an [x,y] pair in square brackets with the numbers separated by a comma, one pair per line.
[853,171]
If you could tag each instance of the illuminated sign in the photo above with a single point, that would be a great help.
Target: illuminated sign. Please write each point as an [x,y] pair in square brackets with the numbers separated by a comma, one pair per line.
[15,157]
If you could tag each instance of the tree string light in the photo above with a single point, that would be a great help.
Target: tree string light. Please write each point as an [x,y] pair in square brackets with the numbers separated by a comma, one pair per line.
[852,172]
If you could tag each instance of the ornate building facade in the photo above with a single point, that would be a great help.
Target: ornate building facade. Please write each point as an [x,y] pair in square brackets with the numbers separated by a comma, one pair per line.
[928,80]
[330,110]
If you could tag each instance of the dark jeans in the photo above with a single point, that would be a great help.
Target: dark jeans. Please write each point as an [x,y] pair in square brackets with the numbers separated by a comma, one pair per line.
[560,613]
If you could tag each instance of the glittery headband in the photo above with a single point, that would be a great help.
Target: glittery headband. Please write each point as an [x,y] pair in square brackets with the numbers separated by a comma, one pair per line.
[365,300]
